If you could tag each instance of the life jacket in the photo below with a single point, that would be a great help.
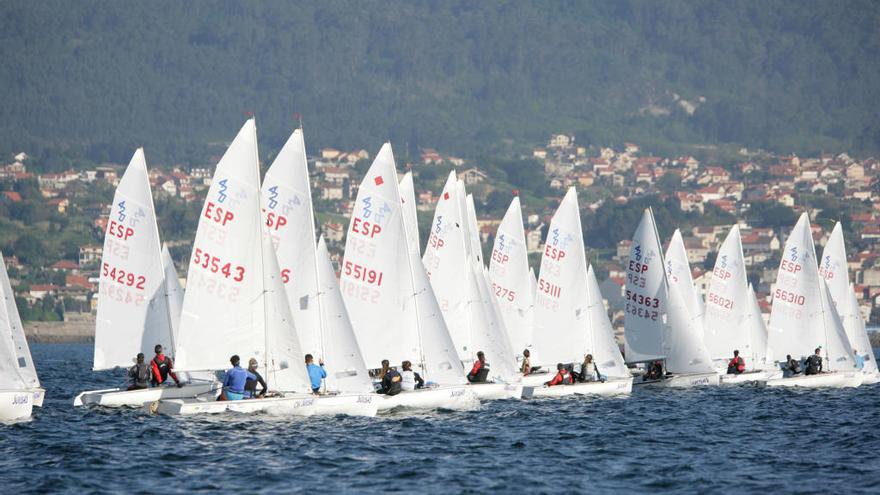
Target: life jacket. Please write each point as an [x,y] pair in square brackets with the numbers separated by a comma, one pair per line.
[141,374]
[161,368]
[408,380]
[737,363]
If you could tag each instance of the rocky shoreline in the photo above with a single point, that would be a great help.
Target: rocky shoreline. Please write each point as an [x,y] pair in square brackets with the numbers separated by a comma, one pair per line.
[79,329]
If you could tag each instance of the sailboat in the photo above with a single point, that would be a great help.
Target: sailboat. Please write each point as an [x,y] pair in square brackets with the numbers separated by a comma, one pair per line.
[322,326]
[511,278]
[393,308]
[834,269]
[20,388]
[235,301]
[410,214]
[803,317]
[459,281]
[134,308]
[659,325]
[732,319]
[570,317]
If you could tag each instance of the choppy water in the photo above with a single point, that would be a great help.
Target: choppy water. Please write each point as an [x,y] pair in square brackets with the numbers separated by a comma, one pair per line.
[690,441]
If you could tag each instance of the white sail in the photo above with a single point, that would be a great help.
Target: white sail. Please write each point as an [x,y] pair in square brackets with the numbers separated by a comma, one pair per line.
[347,371]
[534,290]
[511,278]
[837,348]
[727,304]
[646,294]
[223,307]
[834,270]
[562,319]
[489,333]
[410,215]
[132,315]
[757,331]
[473,229]
[288,215]
[862,343]
[173,292]
[678,273]
[17,371]
[796,326]
[376,283]
[606,352]
[445,261]
[683,343]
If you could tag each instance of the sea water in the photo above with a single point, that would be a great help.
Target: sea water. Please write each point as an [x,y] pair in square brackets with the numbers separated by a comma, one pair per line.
[689,441]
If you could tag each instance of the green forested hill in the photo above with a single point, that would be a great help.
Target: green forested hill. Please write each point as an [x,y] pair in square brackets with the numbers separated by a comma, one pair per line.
[93,79]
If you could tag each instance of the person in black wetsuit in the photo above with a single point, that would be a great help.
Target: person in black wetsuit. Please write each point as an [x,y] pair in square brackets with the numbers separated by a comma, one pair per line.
[139,374]
[250,386]
[814,363]
[390,381]
[792,366]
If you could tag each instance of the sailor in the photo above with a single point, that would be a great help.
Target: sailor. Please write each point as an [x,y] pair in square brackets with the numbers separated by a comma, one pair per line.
[390,380]
[860,361]
[655,371]
[792,366]
[250,385]
[234,382]
[409,379]
[161,366]
[814,363]
[589,370]
[480,371]
[139,374]
[526,367]
[563,377]
[736,365]
[316,373]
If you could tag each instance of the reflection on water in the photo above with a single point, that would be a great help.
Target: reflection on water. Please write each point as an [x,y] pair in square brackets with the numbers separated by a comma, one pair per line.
[691,441]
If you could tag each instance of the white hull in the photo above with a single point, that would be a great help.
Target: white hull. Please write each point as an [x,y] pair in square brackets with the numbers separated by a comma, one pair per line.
[448,397]
[289,405]
[839,379]
[870,378]
[617,386]
[16,404]
[118,397]
[750,377]
[497,391]
[685,380]
[537,379]
[39,395]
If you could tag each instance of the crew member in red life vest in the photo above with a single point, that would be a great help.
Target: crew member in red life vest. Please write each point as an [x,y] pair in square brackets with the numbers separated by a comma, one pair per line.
[161,366]
[736,365]
[480,372]
[563,377]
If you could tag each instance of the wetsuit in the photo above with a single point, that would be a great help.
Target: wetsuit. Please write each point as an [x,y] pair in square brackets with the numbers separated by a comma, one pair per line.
[234,382]
[250,385]
[161,366]
[479,373]
[139,374]
[814,365]
[793,367]
[736,366]
[390,386]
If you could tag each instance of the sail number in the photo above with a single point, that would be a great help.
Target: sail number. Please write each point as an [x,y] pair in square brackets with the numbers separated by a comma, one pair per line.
[116,229]
[218,214]
[365,228]
[503,293]
[788,266]
[359,272]
[499,257]
[721,273]
[789,297]
[719,301]
[553,253]
[648,314]
[548,288]
[215,264]
[650,302]
[120,276]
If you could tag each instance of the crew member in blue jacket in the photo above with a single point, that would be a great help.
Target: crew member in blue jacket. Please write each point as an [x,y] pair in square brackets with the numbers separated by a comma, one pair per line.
[236,377]
[316,373]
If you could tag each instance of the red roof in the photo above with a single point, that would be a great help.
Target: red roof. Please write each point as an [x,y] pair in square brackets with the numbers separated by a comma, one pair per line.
[13,196]
[66,265]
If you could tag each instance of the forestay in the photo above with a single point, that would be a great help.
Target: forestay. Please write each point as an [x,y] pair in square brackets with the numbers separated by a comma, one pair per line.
[727,304]
[511,278]
[796,326]
[562,319]
[410,215]
[376,282]
[646,294]
[288,215]
[17,371]
[132,313]
[347,371]
[606,352]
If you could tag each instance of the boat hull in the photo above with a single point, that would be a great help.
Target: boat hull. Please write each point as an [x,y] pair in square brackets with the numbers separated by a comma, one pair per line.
[750,377]
[366,404]
[684,380]
[39,395]
[870,378]
[839,379]
[497,391]
[459,398]
[117,397]
[611,387]
[16,404]
[289,405]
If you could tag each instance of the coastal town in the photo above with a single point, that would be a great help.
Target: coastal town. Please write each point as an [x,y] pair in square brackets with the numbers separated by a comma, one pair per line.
[760,191]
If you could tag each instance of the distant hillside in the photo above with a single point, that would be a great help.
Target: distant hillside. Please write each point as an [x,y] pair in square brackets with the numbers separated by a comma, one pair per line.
[94,79]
